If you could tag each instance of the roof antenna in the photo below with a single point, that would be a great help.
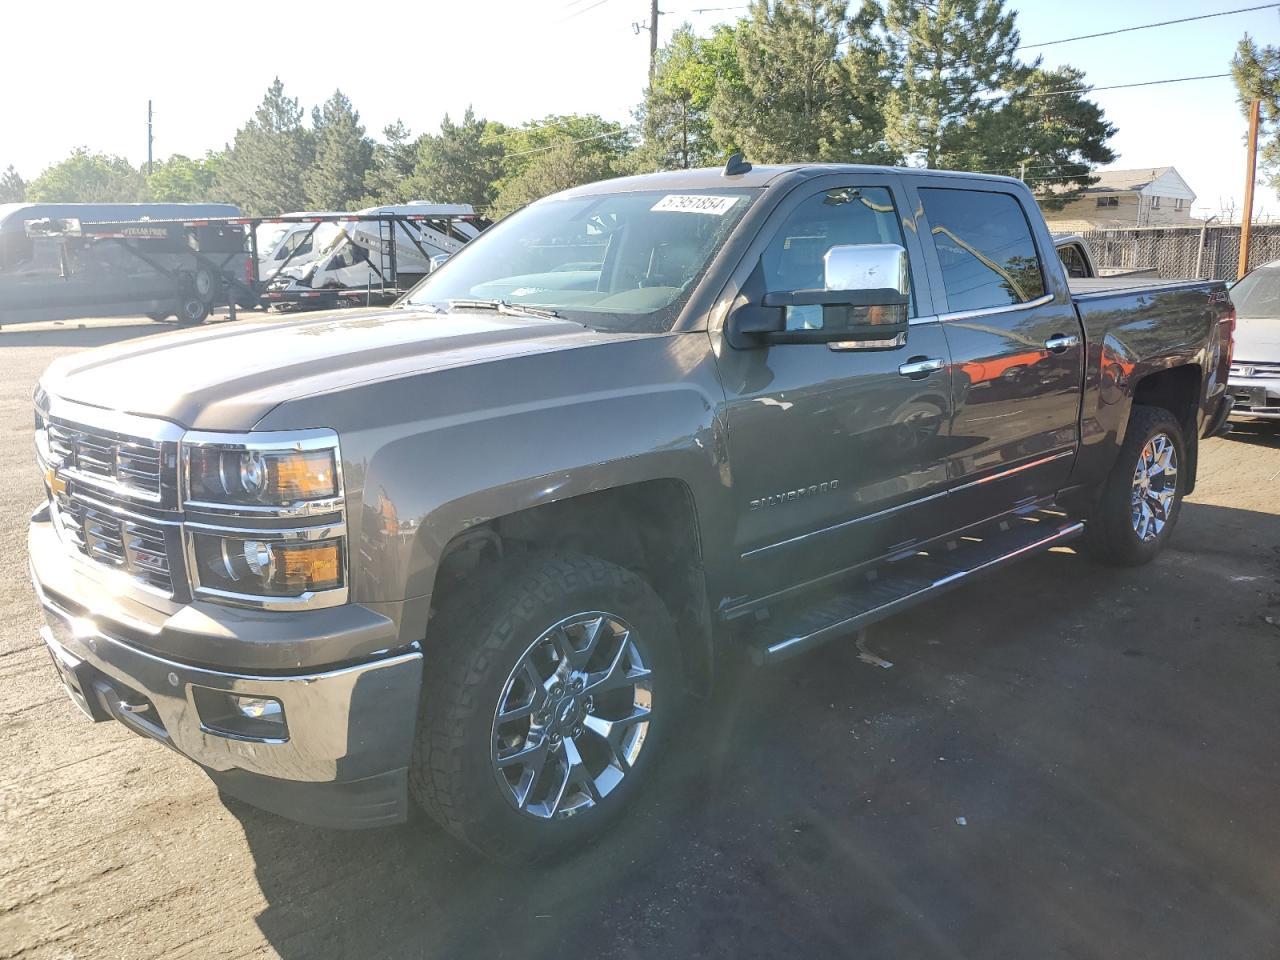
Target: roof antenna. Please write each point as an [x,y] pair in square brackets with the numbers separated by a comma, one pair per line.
[736,166]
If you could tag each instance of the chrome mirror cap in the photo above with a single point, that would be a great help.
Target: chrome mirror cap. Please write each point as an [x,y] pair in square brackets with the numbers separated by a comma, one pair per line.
[866,266]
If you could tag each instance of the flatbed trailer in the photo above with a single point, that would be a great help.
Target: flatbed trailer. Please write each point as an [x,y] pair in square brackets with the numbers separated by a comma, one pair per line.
[213,262]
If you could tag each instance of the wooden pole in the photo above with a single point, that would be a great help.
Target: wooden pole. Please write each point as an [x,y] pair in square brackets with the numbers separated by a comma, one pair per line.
[1251,172]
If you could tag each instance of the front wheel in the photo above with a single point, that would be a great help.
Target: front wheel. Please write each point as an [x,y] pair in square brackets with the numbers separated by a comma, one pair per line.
[1142,499]
[547,696]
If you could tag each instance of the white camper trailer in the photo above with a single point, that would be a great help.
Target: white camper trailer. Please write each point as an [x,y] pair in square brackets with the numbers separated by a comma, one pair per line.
[377,253]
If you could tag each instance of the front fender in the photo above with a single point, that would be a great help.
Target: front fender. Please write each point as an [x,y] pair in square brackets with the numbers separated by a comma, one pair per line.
[463,446]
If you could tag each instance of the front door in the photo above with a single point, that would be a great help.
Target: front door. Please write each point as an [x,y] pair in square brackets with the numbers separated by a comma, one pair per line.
[838,455]
[1016,348]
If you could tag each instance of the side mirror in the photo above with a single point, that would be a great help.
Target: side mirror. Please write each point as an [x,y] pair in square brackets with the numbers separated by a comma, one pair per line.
[437,262]
[863,302]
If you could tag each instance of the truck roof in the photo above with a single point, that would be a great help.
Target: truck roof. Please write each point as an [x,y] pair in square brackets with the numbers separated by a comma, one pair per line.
[760,175]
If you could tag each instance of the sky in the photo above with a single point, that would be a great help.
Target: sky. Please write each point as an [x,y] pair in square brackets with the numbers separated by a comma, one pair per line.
[79,73]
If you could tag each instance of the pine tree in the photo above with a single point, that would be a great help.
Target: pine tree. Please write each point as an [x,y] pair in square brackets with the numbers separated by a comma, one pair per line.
[1256,72]
[264,168]
[13,189]
[393,162]
[461,164]
[335,179]
[1046,130]
[947,58]
[799,95]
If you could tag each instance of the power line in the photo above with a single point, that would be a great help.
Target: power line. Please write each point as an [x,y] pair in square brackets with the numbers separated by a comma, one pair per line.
[582,10]
[1123,86]
[1148,26]
[560,143]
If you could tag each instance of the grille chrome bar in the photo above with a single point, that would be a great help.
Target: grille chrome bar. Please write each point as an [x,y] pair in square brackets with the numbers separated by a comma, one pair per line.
[130,467]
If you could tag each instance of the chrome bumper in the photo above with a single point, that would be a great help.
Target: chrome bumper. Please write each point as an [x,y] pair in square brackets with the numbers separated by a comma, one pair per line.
[343,755]
[1255,397]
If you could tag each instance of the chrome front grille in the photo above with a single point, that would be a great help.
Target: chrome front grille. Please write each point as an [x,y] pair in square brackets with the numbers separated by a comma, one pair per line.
[135,546]
[131,466]
[1262,370]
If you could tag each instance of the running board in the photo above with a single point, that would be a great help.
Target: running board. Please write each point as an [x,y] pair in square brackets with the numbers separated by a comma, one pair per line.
[894,587]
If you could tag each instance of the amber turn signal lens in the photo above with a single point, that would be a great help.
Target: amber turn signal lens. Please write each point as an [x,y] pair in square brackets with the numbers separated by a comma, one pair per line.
[308,566]
[301,476]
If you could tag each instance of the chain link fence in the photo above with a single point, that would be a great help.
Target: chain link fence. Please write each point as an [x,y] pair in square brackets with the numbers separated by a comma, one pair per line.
[1176,252]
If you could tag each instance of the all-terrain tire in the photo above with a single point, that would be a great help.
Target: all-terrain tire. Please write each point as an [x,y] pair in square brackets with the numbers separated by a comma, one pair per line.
[1112,531]
[474,643]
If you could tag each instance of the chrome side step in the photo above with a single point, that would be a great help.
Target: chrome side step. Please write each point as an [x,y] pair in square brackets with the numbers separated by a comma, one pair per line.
[894,587]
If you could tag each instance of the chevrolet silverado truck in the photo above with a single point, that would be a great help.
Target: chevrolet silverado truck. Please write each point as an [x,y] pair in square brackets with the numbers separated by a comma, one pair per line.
[475,549]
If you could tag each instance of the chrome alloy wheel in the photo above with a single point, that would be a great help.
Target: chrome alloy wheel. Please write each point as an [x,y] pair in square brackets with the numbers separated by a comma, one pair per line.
[1155,482]
[573,716]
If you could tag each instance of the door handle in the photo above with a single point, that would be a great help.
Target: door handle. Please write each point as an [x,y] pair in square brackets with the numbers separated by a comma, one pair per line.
[1061,341]
[917,368]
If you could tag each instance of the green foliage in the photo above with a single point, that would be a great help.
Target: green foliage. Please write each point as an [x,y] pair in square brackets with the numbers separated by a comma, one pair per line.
[180,179]
[796,95]
[947,58]
[13,189]
[676,114]
[264,169]
[343,156]
[1045,127]
[460,164]
[1256,72]
[393,163]
[557,153]
[86,177]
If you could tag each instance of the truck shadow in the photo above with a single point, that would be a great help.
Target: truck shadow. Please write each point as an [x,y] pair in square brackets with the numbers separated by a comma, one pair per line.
[996,785]
[1261,432]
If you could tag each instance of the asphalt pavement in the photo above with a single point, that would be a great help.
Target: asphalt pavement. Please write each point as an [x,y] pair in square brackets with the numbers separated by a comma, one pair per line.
[1063,761]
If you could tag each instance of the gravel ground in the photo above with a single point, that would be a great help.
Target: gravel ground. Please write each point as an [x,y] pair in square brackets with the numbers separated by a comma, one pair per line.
[1063,761]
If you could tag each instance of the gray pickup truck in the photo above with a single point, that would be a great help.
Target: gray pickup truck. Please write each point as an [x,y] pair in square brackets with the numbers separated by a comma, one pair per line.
[474,550]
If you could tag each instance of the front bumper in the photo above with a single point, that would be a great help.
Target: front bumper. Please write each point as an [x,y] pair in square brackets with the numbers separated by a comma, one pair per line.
[341,758]
[1255,397]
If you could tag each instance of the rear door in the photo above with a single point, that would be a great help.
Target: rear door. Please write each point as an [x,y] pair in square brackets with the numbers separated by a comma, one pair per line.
[838,454]
[1016,345]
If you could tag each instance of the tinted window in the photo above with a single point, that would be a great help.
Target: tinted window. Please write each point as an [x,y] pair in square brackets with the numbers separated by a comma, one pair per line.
[794,258]
[1258,294]
[985,248]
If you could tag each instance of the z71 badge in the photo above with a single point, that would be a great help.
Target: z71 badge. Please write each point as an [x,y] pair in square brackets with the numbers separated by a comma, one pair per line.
[800,493]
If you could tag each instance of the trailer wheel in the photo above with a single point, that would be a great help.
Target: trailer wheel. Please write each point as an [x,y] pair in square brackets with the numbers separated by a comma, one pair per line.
[204,283]
[192,310]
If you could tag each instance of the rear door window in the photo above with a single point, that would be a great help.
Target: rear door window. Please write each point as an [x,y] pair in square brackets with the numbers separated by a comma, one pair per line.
[984,247]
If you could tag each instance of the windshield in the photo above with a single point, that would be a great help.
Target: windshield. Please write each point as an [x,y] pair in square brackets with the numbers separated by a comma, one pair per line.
[620,261]
[1258,294]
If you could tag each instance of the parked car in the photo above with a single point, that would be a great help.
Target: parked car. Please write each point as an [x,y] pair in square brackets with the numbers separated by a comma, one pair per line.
[475,548]
[1255,370]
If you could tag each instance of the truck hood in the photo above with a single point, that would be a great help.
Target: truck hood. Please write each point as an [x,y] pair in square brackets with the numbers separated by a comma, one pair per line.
[228,376]
[1258,339]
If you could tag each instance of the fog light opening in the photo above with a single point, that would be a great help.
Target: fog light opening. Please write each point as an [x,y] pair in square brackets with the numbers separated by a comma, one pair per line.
[240,716]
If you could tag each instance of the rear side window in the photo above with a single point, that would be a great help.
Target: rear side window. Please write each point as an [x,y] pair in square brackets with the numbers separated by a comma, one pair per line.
[1073,260]
[985,248]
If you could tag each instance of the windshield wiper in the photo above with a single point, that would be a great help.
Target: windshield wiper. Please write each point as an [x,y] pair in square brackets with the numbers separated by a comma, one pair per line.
[504,307]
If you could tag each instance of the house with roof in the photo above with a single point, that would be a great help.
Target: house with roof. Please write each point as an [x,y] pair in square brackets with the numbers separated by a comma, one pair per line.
[1146,197]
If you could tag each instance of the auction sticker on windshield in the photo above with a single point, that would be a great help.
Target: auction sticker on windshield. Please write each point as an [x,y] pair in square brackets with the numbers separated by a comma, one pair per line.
[695,203]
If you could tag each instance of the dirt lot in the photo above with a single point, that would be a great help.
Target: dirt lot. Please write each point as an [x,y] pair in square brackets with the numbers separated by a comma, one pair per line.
[1063,761]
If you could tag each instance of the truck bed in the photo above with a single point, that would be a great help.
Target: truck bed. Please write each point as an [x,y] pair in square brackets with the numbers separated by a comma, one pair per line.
[1094,286]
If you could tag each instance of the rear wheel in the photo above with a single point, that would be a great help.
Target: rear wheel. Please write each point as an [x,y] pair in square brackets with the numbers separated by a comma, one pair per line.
[1142,498]
[192,310]
[547,696]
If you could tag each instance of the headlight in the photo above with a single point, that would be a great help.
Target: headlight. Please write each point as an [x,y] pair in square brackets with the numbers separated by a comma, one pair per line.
[255,477]
[266,564]
[265,518]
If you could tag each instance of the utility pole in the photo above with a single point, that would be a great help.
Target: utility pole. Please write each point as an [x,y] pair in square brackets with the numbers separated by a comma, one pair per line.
[1251,172]
[652,27]
[150,138]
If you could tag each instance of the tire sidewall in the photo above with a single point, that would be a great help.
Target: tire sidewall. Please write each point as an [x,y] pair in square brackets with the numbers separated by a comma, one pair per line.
[518,617]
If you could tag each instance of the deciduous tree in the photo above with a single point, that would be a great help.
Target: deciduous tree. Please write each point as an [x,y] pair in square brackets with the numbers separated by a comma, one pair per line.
[86,177]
